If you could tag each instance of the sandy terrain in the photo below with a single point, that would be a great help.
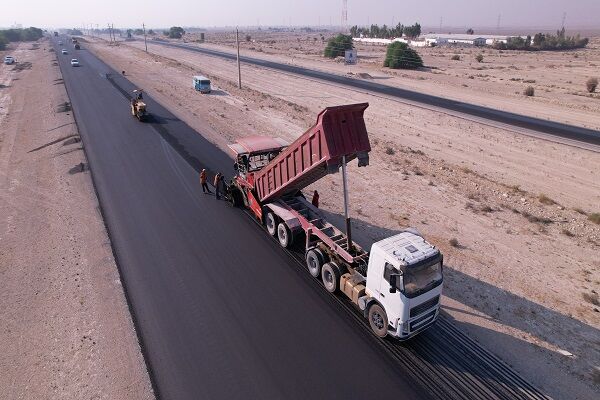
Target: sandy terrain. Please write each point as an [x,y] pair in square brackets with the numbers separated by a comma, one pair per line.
[509,212]
[66,331]
[498,82]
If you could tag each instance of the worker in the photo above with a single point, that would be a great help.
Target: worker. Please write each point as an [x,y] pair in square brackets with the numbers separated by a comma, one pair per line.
[205,188]
[216,183]
[315,199]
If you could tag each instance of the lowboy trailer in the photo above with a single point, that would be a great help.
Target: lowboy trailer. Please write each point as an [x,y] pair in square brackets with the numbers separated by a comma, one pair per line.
[398,284]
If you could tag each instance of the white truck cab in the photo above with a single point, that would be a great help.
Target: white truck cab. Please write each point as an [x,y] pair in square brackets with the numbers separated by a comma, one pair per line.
[405,278]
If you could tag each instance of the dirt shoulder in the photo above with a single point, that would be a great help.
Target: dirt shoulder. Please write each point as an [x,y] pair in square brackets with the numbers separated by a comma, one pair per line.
[66,331]
[512,214]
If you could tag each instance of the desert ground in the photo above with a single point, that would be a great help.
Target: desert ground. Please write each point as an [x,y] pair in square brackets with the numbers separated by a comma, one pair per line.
[514,215]
[66,330]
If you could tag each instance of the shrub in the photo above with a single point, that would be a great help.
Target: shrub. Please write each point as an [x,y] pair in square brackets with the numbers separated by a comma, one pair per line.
[591,85]
[175,32]
[389,151]
[546,200]
[3,42]
[529,91]
[454,242]
[338,45]
[400,56]
[248,38]
[455,57]
[479,57]
[595,218]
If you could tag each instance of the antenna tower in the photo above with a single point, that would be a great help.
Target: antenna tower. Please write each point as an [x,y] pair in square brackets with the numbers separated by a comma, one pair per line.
[344,14]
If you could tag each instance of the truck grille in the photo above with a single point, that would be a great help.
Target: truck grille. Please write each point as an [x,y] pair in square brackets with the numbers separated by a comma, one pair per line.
[424,306]
[422,321]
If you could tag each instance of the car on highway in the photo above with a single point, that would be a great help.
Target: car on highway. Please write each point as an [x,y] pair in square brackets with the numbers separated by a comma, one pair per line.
[74,62]
[60,43]
[64,51]
[9,60]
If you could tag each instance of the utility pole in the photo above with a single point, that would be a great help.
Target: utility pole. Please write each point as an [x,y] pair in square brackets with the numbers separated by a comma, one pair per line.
[145,44]
[109,33]
[237,41]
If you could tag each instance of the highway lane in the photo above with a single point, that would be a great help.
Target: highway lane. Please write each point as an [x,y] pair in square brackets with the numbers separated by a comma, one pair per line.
[522,123]
[219,309]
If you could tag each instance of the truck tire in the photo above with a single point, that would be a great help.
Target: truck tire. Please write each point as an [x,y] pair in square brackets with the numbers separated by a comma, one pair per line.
[235,198]
[271,223]
[284,235]
[314,262]
[330,274]
[378,320]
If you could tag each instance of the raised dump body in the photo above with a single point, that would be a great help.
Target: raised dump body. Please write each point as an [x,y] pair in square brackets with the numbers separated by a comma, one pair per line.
[339,131]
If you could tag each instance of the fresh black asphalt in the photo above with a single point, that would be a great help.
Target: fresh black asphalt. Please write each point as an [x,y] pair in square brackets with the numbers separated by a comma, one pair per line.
[221,310]
[543,126]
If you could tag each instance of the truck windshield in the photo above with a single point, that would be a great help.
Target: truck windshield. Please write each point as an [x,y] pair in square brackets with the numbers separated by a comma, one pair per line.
[421,279]
[258,160]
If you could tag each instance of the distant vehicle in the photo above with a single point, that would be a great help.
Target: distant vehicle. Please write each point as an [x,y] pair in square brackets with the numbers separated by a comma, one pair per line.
[9,60]
[74,62]
[64,51]
[55,33]
[138,107]
[201,84]
[77,46]
[60,42]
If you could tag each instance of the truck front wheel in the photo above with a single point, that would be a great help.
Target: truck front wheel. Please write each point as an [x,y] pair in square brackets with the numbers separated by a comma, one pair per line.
[378,320]
[330,274]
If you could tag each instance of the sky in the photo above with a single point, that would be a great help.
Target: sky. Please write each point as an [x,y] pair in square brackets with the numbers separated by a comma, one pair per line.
[200,13]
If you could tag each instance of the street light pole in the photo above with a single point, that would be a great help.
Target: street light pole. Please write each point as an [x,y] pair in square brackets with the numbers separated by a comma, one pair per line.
[145,44]
[237,40]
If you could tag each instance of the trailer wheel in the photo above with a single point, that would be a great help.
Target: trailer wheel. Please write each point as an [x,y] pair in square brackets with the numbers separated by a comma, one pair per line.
[314,262]
[330,274]
[284,235]
[271,223]
[378,320]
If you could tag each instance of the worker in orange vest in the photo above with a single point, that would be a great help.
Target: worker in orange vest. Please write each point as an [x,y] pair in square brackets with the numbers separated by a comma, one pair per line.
[217,185]
[315,199]
[205,188]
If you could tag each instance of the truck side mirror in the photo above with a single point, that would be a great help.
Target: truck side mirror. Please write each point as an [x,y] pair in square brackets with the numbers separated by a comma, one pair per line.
[393,281]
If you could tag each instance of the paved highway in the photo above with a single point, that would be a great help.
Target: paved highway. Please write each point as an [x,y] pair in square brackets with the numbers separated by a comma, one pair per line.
[220,309]
[581,137]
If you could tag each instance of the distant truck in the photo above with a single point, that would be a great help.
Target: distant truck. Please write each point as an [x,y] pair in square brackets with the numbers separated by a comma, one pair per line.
[77,46]
[398,284]
[201,84]
[9,60]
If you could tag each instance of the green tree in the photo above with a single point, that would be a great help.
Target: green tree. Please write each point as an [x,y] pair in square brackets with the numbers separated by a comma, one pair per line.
[413,31]
[470,31]
[3,41]
[150,32]
[176,32]
[400,56]
[479,57]
[338,45]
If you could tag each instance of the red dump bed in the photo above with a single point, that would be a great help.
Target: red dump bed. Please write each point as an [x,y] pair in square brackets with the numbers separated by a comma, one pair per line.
[339,131]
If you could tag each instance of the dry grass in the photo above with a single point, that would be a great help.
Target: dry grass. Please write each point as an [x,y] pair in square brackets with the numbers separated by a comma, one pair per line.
[567,232]
[595,218]
[535,219]
[580,211]
[454,243]
[546,200]
[389,151]
[592,298]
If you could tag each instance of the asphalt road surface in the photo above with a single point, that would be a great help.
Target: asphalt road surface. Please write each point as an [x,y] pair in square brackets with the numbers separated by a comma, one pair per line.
[522,122]
[221,312]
